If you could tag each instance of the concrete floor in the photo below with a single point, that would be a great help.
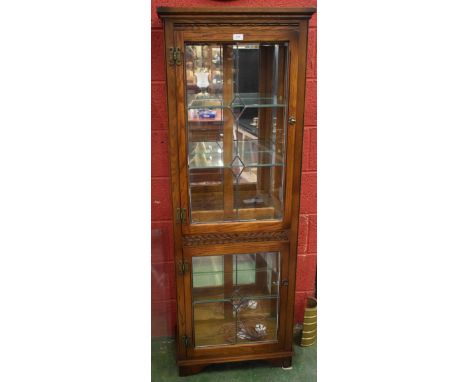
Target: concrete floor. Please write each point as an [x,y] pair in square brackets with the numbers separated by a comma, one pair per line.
[164,368]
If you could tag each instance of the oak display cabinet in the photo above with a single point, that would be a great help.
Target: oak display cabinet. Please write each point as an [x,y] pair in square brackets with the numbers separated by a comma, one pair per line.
[235,90]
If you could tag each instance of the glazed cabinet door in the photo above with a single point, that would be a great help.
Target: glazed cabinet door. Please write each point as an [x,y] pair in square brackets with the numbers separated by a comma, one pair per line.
[235,299]
[235,108]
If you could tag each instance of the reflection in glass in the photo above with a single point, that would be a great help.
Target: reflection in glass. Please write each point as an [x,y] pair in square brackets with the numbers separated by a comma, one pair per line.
[236,105]
[235,298]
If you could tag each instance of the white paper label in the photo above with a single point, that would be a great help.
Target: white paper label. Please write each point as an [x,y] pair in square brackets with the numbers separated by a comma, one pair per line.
[237,36]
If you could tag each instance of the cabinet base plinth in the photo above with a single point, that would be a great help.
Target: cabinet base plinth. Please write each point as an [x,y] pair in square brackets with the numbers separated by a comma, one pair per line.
[186,370]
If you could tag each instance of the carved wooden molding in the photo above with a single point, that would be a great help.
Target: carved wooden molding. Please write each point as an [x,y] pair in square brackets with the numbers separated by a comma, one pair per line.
[244,24]
[262,12]
[223,238]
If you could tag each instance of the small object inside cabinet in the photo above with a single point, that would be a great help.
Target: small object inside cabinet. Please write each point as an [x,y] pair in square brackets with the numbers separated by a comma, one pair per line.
[235,91]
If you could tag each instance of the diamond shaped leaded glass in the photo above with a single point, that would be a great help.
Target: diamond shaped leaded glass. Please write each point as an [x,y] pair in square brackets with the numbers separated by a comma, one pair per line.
[237,166]
[237,106]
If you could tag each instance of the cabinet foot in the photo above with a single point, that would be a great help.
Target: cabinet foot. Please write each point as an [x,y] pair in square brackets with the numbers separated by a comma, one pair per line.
[190,370]
[281,362]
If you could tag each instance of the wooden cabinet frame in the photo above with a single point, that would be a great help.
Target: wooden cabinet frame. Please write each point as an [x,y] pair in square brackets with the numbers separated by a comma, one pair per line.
[218,25]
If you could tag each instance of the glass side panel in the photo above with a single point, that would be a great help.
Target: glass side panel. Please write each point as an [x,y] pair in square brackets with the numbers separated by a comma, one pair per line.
[209,271]
[235,298]
[236,122]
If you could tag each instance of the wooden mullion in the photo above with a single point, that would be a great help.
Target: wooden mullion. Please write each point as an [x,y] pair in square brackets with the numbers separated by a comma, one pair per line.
[260,278]
[227,132]
[265,120]
[228,283]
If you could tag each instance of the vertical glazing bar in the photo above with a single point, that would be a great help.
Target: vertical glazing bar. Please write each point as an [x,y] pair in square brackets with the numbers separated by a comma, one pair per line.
[227,131]
[260,275]
[265,118]
[275,303]
[228,284]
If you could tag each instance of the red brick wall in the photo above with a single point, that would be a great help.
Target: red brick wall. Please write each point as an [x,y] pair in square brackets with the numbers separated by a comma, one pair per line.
[163,307]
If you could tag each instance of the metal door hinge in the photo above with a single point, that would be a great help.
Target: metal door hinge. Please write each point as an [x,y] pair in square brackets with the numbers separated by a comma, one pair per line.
[174,56]
[187,341]
[183,267]
[181,215]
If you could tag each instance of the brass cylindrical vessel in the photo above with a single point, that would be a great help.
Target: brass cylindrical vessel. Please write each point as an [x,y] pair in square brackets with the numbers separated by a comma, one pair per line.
[309,331]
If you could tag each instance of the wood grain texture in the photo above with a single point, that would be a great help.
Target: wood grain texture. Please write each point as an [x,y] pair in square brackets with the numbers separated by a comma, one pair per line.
[228,91]
[225,238]
[296,186]
[174,160]
[190,367]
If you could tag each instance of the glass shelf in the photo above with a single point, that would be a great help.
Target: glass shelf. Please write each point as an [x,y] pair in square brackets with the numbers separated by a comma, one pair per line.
[252,269]
[245,298]
[247,100]
[250,153]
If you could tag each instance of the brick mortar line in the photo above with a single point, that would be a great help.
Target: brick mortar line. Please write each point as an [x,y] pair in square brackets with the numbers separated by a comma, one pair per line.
[161,301]
[163,262]
[160,177]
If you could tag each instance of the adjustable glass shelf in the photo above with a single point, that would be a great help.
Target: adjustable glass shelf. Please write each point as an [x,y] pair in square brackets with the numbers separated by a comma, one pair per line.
[241,100]
[198,300]
[249,153]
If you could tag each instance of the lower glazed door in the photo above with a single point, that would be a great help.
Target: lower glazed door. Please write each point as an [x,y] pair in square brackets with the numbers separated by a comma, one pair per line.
[235,298]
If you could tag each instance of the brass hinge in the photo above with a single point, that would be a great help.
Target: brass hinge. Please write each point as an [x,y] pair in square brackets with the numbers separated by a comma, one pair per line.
[174,56]
[183,267]
[181,215]
[187,341]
